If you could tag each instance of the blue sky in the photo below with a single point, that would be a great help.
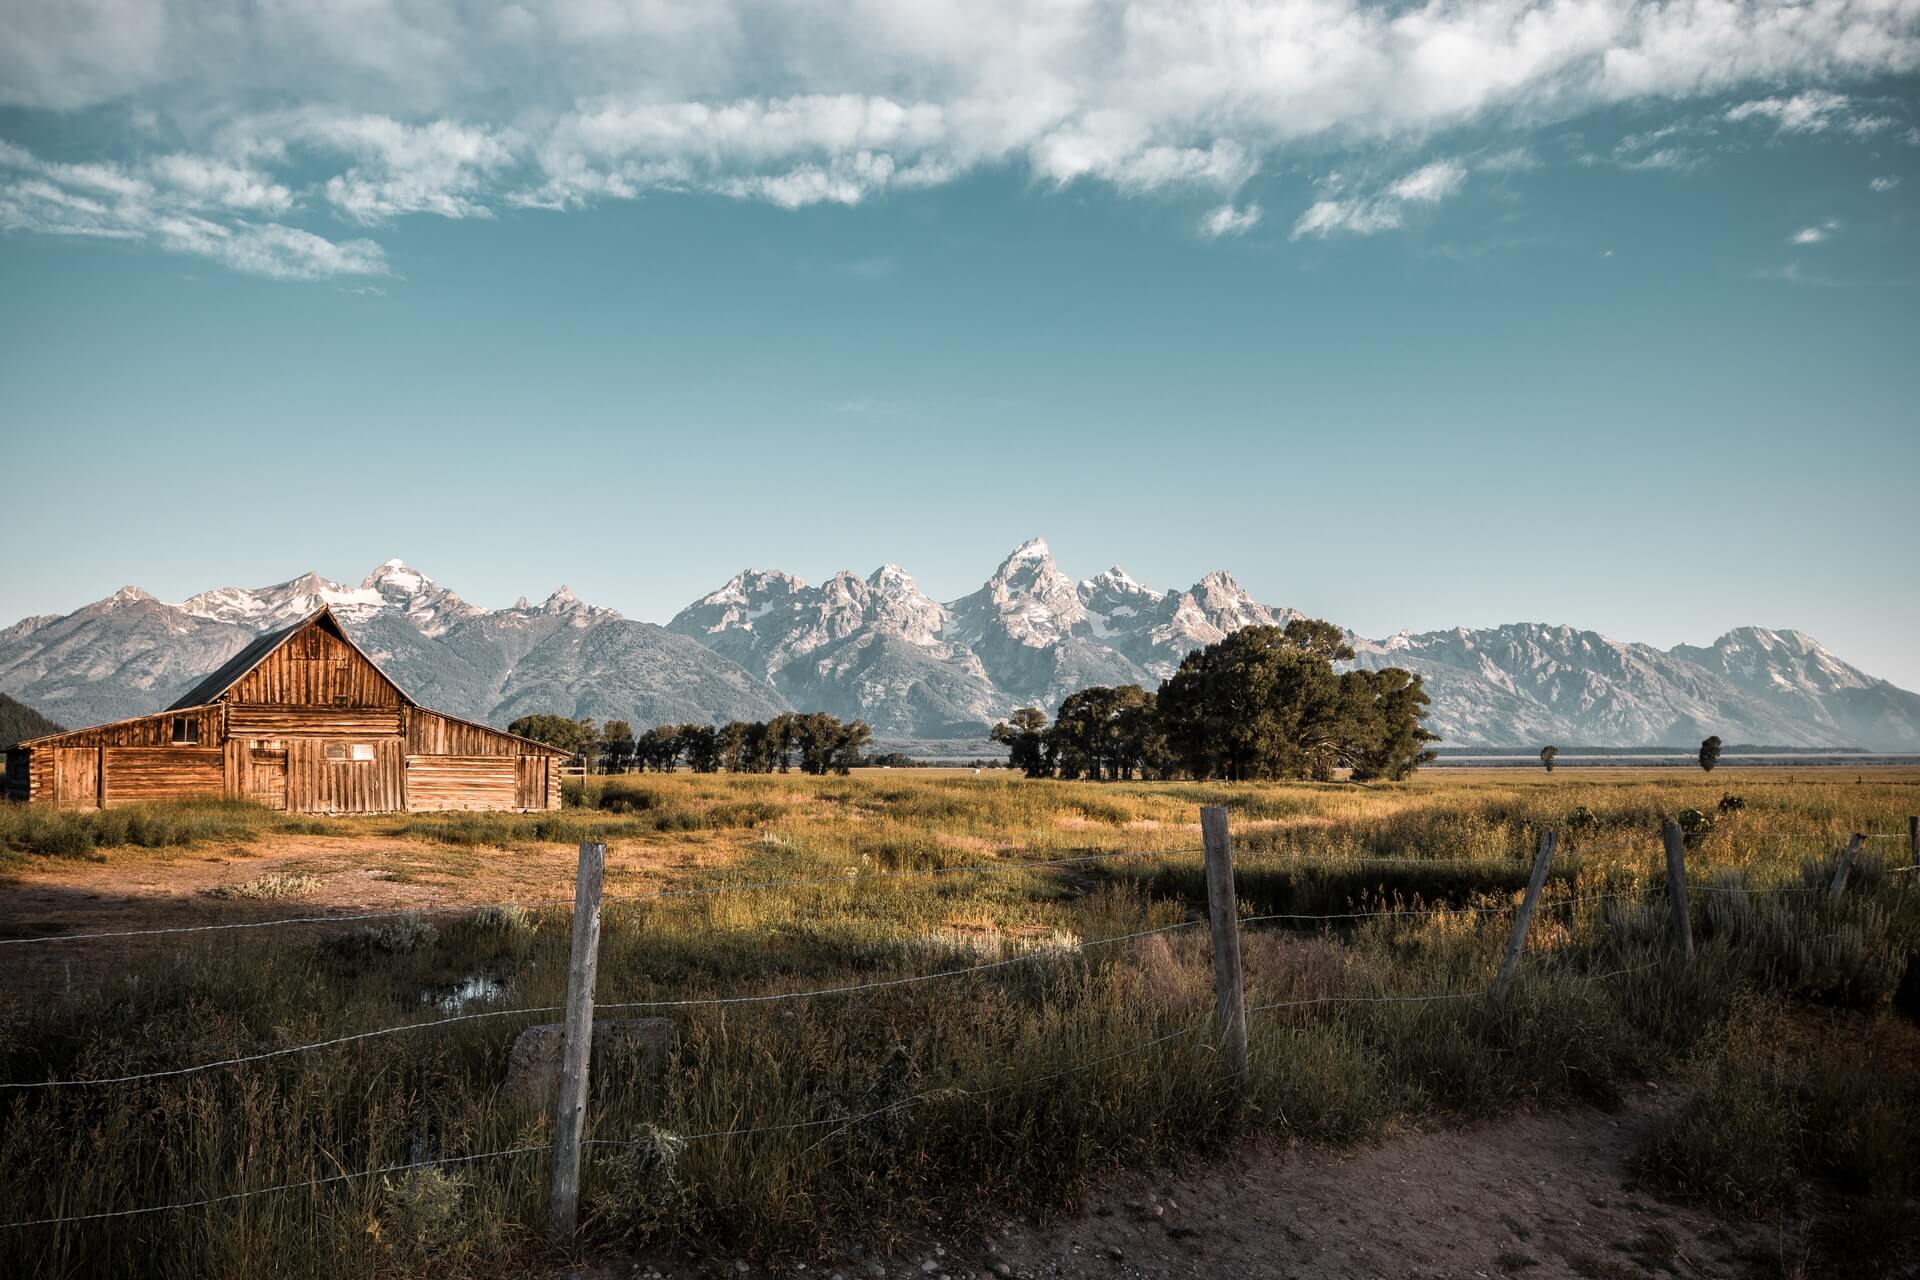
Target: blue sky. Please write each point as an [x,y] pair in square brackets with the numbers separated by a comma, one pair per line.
[1411,316]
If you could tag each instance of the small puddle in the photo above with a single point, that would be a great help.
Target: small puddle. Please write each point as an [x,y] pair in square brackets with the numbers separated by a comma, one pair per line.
[470,990]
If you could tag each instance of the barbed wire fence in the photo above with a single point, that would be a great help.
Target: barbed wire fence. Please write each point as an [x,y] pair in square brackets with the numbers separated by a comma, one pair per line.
[1228,1023]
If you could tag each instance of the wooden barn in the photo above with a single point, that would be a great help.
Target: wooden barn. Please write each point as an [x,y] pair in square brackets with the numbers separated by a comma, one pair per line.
[301,720]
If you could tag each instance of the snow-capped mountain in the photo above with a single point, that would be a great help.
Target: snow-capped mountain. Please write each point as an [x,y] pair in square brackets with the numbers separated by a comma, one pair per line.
[873,648]
[1034,635]
[131,654]
[879,648]
[393,586]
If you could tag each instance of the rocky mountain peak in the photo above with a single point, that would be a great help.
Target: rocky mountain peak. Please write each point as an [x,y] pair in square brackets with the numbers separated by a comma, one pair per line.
[398,578]
[891,579]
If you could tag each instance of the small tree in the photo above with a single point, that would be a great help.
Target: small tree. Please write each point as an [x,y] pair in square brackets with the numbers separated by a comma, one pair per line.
[1710,754]
[1024,735]
[616,745]
[1547,756]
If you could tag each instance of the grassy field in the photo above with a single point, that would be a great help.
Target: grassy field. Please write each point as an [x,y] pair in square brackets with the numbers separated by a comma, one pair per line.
[867,1114]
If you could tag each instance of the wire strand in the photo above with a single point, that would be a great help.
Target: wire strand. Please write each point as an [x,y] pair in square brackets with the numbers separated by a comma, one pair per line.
[266,1191]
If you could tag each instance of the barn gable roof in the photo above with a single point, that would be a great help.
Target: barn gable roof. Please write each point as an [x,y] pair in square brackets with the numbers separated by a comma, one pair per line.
[236,668]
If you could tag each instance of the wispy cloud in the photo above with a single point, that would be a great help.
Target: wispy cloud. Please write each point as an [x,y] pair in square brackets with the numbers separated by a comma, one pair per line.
[1818,111]
[1884,184]
[1675,147]
[1384,210]
[1229,221]
[178,204]
[1815,235]
[1814,111]
[1511,160]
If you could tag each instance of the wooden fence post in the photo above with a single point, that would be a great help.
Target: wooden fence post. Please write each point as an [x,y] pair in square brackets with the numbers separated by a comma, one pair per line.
[1676,842]
[1523,918]
[1845,869]
[1913,856]
[570,1109]
[1223,912]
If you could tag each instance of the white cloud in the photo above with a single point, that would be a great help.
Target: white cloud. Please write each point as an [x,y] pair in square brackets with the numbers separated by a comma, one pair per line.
[1673,147]
[1384,211]
[440,168]
[1430,183]
[1885,184]
[182,204]
[1356,217]
[221,183]
[1512,160]
[1815,235]
[1676,159]
[1814,111]
[401,107]
[1229,221]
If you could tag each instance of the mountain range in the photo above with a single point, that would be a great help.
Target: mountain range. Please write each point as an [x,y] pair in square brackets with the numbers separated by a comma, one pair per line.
[880,649]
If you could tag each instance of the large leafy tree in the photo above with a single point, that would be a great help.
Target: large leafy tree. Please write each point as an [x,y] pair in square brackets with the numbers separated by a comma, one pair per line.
[1385,734]
[1253,705]
[1266,703]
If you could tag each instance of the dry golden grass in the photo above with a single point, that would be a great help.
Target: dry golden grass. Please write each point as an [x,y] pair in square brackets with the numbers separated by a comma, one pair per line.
[1024,1082]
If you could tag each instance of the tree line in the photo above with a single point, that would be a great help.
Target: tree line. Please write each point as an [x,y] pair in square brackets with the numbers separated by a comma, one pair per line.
[817,743]
[1265,702]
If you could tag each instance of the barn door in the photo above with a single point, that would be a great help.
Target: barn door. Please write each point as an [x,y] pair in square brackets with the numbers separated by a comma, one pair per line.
[530,782]
[266,777]
[76,777]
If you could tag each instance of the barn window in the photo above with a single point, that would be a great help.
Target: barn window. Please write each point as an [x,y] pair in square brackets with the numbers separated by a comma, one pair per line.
[363,751]
[186,731]
[356,751]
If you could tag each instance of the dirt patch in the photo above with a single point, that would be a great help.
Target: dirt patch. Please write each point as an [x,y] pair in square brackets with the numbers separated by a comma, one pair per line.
[132,889]
[1539,1196]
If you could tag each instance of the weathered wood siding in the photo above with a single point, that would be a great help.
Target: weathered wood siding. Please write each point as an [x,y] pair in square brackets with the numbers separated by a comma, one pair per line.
[315,668]
[431,734]
[76,777]
[316,784]
[461,782]
[135,775]
[259,720]
[256,770]
[530,782]
[146,731]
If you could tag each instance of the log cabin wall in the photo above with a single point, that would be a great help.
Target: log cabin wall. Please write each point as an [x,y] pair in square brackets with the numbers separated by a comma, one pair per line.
[268,721]
[462,782]
[136,775]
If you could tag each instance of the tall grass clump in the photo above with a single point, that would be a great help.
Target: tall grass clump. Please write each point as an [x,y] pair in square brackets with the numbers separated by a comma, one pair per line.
[78,833]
